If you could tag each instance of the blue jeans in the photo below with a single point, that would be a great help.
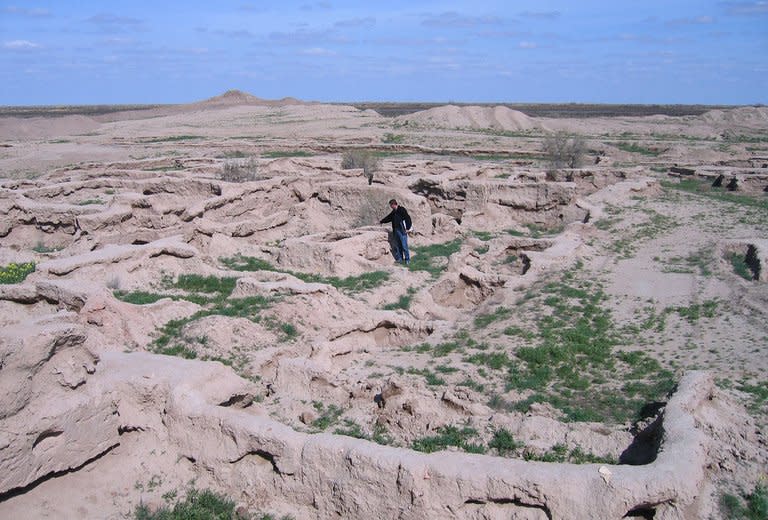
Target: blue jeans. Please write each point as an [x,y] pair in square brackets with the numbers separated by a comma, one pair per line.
[401,247]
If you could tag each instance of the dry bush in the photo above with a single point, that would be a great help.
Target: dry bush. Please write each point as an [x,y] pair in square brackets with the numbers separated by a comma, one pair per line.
[563,150]
[240,170]
[364,159]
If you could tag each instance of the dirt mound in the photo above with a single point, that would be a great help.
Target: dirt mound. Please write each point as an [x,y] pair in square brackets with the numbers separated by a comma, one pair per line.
[236,97]
[452,116]
[744,116]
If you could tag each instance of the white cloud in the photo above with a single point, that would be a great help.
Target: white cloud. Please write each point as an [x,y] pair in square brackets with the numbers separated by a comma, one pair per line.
[698,20]
[21,45]
[527,45]
[23,11]
[745,8]
[318,51]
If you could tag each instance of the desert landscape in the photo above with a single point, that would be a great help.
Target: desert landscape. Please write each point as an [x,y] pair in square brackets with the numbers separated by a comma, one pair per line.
[201,297]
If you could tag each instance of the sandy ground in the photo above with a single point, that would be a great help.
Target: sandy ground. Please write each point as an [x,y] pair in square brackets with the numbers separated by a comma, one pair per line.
[612,255]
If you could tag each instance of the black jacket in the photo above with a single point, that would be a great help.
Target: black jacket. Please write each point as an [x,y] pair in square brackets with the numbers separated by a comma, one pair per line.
[399,218]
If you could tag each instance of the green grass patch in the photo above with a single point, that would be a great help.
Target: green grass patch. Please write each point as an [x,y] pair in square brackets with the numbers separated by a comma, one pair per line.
[433,258]
[350,284]
[636,148]
[140,297]
[16,273]
[483,320]
[201,505]
[695,311]
[275,154]
[704,189]
[403,302]
[430,377]
[449,436]
[569,358]
[171,139]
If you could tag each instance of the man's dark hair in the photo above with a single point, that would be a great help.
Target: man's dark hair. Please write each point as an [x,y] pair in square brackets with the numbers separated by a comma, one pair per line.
[392,201]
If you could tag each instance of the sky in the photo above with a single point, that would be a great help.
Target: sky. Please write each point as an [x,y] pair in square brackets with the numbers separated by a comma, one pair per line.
[528,51]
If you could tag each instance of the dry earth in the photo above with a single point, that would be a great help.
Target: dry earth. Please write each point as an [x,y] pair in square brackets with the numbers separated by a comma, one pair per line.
[566,343]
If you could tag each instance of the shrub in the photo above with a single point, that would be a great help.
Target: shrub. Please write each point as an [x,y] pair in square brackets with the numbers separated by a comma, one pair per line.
[364,159]
[503,442]
[239,170]
[564,151]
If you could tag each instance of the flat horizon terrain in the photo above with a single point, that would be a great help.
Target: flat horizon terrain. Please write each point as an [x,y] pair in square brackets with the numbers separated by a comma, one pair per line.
[393,109]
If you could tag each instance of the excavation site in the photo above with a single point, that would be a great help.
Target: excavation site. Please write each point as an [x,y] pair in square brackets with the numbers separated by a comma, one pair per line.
[202,299]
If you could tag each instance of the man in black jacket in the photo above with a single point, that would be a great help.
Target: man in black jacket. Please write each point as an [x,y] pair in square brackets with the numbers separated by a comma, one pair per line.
[401,224]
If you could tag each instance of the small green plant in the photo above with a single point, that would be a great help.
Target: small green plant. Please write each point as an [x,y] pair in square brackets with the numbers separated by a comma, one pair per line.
[328,416]
[16,273]
[350,429]
[740,266]
[87,202]
[43,249]
[390,138]
[503,442]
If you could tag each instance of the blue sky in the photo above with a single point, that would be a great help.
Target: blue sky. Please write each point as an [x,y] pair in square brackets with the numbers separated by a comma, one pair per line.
[624,51]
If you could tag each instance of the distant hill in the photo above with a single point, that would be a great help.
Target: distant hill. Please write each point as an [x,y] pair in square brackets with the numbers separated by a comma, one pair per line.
[238,97]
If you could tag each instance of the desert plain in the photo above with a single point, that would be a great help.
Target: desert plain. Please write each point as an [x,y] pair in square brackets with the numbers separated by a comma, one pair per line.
[201,297]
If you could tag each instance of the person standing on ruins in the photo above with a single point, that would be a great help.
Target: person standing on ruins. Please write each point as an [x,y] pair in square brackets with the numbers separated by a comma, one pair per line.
[401,225]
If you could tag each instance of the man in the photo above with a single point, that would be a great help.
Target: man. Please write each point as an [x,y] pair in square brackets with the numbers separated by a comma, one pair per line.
[401,224]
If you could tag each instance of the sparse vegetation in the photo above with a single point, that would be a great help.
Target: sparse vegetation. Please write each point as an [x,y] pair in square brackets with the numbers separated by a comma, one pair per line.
[450,436]
[350,284]
[390,138]
[403,302]
[199,505]
[752,506]
[433,259]
[240,170]
[328,415]
[704,189]
[636,148]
